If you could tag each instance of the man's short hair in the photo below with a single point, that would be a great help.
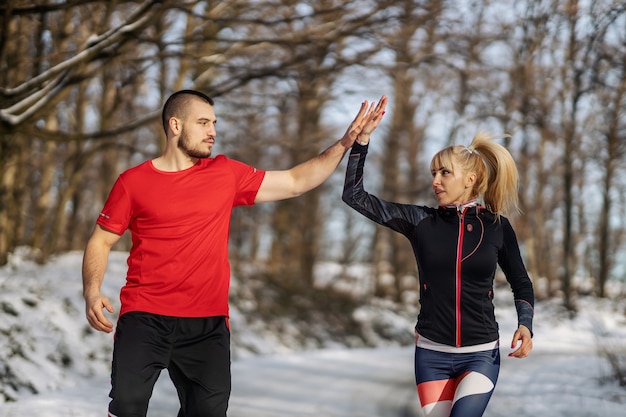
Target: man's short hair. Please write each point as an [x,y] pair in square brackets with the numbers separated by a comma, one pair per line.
[177,104]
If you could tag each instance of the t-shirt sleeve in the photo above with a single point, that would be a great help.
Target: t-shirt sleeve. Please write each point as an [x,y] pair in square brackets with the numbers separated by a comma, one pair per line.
[248,180]
[116,213]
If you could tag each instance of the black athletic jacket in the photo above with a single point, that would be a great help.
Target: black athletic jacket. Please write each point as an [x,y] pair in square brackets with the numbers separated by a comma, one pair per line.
[457,253]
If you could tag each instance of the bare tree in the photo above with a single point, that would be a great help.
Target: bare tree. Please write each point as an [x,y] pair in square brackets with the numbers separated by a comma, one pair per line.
[609,75]
[527,100]
[82,82]
[402,162]
[67,42]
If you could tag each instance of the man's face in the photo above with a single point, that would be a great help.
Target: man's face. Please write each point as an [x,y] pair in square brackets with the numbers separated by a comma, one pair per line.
[197,134]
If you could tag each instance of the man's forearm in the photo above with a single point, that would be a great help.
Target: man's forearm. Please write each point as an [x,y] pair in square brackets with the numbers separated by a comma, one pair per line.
[94,267]
[315,171]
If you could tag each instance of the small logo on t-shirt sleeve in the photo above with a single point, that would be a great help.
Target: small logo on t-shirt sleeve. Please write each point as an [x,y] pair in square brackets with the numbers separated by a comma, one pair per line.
[104,215]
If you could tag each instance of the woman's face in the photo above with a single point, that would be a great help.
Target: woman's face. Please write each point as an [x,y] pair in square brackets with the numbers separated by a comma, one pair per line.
[451,185]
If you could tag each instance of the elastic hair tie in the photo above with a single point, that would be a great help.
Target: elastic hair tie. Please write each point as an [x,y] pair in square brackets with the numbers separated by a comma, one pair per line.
[470,149]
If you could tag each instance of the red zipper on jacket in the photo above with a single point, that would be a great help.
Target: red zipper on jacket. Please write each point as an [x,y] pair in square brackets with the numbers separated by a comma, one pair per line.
[459,258]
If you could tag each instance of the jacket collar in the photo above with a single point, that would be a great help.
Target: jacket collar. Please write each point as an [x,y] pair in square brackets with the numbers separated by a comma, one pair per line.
[461,207]
[471,206]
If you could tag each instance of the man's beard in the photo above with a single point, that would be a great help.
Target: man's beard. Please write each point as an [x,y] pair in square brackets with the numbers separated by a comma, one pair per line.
[184,144]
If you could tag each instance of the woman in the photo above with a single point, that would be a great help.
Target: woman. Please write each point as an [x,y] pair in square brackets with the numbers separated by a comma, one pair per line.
[457,246]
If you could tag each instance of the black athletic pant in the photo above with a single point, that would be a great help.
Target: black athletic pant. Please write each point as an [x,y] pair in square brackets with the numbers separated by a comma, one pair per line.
[195,351]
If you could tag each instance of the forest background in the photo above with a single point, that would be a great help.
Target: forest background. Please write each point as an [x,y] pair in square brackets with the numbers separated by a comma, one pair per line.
[82,83]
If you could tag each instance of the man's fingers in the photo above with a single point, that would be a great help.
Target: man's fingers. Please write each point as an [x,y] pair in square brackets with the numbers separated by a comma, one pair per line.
[96,317]
[100,322]
[107,304]
[362,112]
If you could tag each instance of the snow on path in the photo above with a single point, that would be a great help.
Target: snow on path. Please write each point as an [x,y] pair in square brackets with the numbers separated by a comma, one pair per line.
[360,383]
[333,383]
[356,383]
[563,376]
[330,383]
[556,384]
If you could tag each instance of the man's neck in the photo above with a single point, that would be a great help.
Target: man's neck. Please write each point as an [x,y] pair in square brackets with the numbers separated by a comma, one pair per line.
[174,161]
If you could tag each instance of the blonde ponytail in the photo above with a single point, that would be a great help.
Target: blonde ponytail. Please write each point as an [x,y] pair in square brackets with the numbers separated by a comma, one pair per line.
[501,190]
[496,173]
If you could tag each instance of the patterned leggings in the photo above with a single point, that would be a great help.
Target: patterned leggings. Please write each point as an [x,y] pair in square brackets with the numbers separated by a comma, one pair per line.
[455,384]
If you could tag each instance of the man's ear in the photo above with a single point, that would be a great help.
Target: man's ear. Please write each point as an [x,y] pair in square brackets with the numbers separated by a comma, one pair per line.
[174,125]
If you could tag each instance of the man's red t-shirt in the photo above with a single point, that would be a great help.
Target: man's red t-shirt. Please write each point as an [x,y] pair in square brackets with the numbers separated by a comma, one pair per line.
[179,222]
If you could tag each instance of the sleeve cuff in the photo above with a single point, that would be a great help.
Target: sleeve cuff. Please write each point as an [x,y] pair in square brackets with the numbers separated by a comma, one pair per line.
[525,314]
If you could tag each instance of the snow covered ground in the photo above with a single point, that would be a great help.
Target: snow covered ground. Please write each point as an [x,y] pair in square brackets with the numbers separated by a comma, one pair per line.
[46,348]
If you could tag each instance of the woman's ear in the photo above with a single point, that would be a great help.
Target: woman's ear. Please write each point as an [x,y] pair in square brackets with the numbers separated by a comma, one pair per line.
[470,180]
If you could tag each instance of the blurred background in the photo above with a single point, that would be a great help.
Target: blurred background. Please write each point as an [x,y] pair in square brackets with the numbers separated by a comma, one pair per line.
[82,83]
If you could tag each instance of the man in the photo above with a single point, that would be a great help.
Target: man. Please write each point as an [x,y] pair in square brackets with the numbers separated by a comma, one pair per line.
[174,306]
